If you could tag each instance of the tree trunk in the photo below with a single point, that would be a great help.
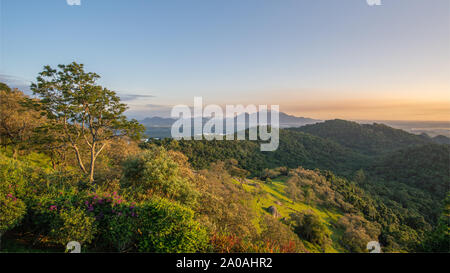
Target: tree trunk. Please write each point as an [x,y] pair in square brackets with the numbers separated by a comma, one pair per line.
[1,241]
[80,161]
[91,171]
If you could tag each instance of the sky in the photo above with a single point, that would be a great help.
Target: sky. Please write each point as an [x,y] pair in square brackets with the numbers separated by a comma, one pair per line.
[322,59]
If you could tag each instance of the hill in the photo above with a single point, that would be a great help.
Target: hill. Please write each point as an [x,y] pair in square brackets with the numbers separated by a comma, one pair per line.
[425,167]
[369,139]
[296,148]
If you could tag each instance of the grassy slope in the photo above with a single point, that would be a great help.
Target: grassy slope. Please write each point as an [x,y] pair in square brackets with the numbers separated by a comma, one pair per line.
[270,195]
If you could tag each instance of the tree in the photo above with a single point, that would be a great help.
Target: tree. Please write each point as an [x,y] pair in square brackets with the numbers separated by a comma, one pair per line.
[4,87]
[309,226]
[17,120]
[439,239]
[83,111]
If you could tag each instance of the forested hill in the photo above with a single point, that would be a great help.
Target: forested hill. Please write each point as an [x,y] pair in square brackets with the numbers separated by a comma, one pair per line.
[369,139]
[425,167]
[296,149]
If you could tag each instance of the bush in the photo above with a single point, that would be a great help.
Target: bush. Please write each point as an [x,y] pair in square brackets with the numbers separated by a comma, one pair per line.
[167,227]
[309,227]
[12,208]
[155,172]
[73,225]
[12,211]
[117,220]
[357,232]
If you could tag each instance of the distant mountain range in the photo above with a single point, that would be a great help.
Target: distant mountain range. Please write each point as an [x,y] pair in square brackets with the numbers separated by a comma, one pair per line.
[158,127]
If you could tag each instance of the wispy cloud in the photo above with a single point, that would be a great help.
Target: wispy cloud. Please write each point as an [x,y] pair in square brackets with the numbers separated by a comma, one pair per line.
[131,97]
[148,110]
[16,82]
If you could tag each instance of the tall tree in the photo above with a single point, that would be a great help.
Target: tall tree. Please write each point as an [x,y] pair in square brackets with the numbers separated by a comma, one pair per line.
[83,111]
[17,120]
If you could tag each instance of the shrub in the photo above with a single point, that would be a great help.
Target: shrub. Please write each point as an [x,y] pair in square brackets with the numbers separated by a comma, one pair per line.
[12,211]
[309,227]
[155,172]
[357,232]
[117,220]
[72,225]
[166,227]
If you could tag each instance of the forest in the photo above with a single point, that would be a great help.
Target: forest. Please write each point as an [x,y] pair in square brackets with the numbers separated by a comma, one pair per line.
[73,167]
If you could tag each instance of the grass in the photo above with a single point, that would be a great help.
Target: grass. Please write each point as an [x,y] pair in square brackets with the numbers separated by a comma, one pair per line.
[266,195]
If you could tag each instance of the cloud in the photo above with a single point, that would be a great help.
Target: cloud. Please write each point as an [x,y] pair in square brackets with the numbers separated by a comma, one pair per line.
[148,110]
[16,82]
[131,97]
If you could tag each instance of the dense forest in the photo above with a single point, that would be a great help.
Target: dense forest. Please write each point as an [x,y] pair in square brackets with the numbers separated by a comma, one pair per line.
[73,167]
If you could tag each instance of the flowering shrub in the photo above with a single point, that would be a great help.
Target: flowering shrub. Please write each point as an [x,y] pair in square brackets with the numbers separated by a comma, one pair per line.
[116,218]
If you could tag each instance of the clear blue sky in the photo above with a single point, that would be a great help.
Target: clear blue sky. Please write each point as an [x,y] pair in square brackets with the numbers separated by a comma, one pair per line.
[318,58]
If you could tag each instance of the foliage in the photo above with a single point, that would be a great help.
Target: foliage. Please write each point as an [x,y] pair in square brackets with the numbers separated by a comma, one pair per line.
[12,211]
[17,121]
[439,239]
[4,87]
[72,224]
[309,227]
[357,232]
[79,109]
[369,139]
[425,167]
[168,227]
[296,148]
[156,173]
[12,189]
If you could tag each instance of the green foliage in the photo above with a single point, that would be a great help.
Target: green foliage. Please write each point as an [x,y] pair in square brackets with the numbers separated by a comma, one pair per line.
[78,109]
[439,239]
[12,211]
[155,172]
[296,149]
[168,227]
[12,189]
[425,167]
[309,227]
[369,139]
[4,87]
[357,232]
[121,229]
[223,207]
[72,224]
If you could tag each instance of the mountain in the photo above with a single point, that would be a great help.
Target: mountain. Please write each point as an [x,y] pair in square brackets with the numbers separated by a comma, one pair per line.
[158,127]
[369,139]
[285,120]
[157,122]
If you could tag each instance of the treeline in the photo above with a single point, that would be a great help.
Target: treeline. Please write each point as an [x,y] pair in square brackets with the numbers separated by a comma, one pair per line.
[295,149]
